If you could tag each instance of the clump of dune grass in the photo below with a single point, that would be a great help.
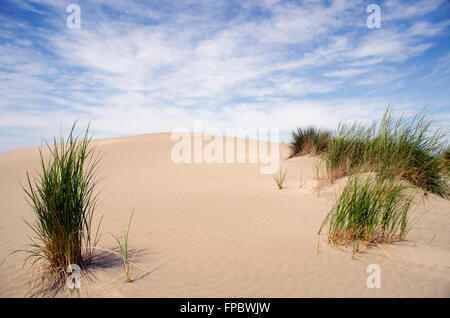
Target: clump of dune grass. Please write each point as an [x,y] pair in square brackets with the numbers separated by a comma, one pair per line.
[370,209]
[63,201]
[393,147]
[309,140]
[446,154]
[446,157]
[280,178]
[123,245]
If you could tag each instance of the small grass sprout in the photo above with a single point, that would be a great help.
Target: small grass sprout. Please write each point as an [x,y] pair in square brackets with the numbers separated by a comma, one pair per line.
[123,246]
[280,178]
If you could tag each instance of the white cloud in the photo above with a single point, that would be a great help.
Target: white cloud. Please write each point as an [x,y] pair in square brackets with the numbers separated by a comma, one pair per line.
[144,69]
[346,73]
[400,10]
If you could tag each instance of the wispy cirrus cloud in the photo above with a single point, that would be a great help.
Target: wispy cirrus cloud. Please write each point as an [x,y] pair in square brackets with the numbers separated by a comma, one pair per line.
[137,67]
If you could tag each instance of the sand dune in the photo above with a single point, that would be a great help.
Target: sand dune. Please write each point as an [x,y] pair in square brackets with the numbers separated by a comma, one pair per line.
[224,230]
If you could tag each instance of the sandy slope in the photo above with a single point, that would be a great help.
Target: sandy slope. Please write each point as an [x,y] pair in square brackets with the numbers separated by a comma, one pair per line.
[224,230]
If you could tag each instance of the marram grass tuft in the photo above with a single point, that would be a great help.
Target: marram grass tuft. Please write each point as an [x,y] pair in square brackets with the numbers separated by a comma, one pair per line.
[406,149]
[371,209]
[309,140]
[63,200]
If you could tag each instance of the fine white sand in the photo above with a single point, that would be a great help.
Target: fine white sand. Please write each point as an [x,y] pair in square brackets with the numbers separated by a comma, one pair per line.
[223,230]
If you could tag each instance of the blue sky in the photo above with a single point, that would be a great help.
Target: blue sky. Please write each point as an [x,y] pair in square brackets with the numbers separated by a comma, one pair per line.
[149,66]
